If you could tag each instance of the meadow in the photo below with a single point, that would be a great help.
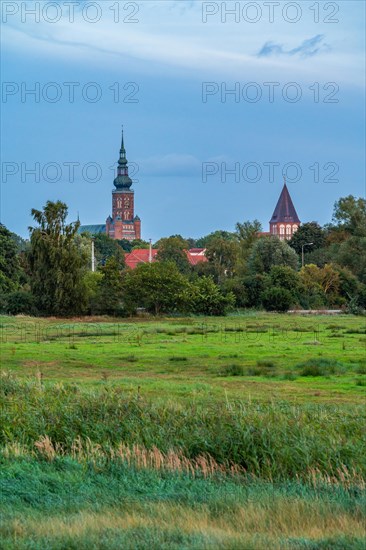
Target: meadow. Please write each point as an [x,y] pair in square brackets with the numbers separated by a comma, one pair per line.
[239,432]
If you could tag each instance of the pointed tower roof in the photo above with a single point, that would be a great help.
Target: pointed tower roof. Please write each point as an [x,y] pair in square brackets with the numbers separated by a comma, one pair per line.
[122,181]
[285,211]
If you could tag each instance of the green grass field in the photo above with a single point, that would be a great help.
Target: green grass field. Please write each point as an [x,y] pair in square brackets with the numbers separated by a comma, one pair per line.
[241,432]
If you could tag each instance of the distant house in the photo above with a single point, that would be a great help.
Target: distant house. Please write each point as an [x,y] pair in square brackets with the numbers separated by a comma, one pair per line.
[145,255]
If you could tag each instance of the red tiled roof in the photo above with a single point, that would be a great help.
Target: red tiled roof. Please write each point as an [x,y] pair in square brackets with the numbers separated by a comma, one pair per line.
[141,256]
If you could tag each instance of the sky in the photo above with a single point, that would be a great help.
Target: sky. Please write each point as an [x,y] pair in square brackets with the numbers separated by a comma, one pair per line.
[218,100]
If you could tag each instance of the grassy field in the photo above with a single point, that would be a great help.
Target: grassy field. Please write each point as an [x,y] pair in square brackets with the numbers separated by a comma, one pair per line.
[241,432]
[197,358]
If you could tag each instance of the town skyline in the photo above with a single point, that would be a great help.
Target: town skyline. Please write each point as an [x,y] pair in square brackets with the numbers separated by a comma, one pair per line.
[198,107]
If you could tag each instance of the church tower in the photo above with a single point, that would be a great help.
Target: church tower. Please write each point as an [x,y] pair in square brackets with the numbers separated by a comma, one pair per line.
[284,221]
[123,224]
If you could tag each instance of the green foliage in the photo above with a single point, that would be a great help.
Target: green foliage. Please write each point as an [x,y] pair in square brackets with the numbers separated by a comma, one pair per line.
[307,233]
[270,251]
[235,286]
[20,301]
[254,288]
[320,367]
[10,270]
[205,241]
[159,287]
[173,249]
[57,265]
[106,248]
[277,299]
[232,370]
[206,298]
[222,254]
[350,214]
[109,291]
[285,277]
[352,254]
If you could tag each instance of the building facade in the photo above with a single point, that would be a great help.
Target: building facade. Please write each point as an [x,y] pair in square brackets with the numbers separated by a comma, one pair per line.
[285,221]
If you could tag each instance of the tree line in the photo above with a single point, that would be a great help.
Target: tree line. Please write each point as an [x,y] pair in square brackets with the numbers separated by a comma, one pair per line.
[50,274]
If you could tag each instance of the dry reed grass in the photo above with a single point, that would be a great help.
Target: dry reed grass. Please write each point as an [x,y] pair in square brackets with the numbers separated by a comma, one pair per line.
[204,465]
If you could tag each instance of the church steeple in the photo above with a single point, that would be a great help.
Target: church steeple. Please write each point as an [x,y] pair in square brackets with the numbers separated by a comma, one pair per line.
[284,221]
[122,181]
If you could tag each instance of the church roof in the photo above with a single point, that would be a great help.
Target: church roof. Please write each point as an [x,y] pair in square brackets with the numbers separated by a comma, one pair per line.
[285,210]
[93,229]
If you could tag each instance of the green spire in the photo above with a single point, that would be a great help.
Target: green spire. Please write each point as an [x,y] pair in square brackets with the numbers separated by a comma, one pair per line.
[122,181]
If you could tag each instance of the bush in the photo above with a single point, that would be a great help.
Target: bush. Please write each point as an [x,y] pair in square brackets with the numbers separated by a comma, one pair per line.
[232,370]
[277,299]
[206,298]
[20,301]
[266,364]
[320,367]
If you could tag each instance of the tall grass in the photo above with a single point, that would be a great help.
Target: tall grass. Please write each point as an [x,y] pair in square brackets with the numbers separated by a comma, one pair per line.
[64,504]
[275,441]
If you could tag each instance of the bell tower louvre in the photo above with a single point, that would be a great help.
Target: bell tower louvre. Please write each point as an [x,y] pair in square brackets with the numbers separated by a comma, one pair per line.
[285,221]
[123,224]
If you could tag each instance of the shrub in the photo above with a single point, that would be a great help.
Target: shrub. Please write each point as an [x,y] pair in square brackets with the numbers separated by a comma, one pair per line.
[277,299]
[20,301]
[232,370]
[320,367]
[261,371]
[206,298]
[266,364]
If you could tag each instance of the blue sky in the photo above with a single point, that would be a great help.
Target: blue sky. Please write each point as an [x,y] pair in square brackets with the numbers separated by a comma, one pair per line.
[176,59]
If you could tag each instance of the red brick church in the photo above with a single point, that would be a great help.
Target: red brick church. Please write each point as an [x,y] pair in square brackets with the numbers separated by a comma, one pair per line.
[123,224]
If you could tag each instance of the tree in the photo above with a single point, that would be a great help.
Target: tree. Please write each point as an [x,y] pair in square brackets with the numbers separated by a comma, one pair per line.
[352,254]
[282,276]
[307,233]
[20,301]
[350,215]
[109,292]
[173,249]
[270,251]
[277,299]
[320,285]
[57,265]
[254,287]
[247,232]
[205,241]
[223,255]
[106,248]
[139,243]
[159,287]
[206,298]
[10,270]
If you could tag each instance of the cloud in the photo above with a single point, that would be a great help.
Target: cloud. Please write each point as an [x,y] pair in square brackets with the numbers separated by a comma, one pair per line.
[307,48]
